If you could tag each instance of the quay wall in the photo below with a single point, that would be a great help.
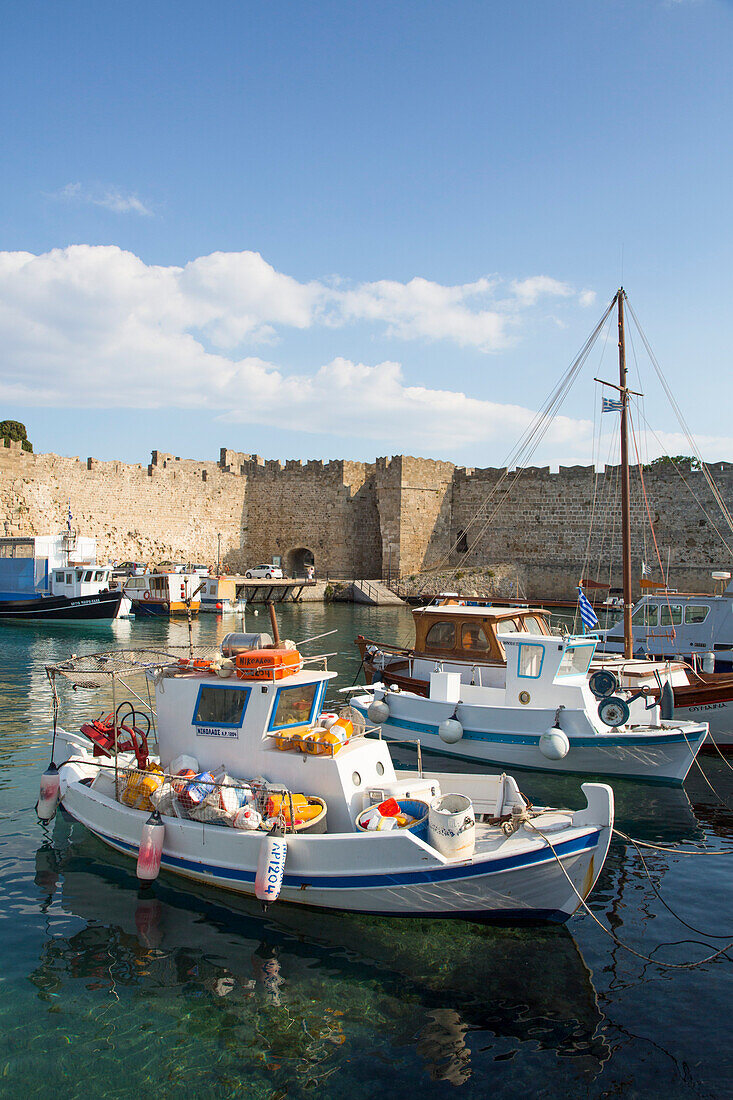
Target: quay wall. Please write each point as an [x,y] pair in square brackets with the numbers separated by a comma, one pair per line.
[392,517]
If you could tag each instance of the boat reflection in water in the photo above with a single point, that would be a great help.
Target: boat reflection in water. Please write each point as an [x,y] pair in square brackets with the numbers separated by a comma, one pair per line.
[305,992]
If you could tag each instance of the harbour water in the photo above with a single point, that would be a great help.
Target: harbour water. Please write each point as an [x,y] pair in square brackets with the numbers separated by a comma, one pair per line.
[109,992]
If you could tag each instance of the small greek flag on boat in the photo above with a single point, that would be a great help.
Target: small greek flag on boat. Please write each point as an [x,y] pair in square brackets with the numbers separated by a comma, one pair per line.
[611,405]
[588,616]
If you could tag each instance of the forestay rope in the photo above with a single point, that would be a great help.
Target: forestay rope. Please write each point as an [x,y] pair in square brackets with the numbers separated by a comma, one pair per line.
[523,450]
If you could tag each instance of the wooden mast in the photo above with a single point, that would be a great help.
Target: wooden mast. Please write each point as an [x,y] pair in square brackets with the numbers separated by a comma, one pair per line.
[625,483]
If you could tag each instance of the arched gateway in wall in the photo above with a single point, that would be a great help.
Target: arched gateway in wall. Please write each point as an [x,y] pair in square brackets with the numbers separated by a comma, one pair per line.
[298,560]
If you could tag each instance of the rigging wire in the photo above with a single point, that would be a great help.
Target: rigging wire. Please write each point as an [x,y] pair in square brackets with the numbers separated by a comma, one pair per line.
[683,423]
[691,491]
[523,449]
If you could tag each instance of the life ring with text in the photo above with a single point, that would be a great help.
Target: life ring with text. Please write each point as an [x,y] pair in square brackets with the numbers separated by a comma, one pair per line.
[146,594]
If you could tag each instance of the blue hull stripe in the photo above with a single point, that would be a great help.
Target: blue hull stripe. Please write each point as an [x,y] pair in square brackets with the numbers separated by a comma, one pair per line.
[351,882]
[532,740]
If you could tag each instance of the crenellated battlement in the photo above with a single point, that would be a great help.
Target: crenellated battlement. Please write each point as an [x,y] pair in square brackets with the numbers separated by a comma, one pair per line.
[394,516]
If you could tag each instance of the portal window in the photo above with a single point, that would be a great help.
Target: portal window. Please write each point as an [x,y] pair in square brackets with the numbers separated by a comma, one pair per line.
[294,706]
[671,615]
[220,706]
[473,637]
[696,612]
[441,636]
[530,661]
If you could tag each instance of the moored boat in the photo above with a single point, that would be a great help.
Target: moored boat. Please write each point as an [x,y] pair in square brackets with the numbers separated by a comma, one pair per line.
[55,578]
[514,863]
[549,713]
[165,593]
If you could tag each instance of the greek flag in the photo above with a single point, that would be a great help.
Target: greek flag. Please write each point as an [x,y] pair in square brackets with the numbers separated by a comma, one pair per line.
[588,616]
[611,405]
[68,521]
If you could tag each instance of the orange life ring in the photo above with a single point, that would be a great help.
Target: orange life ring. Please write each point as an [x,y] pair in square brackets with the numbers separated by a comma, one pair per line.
[146,594]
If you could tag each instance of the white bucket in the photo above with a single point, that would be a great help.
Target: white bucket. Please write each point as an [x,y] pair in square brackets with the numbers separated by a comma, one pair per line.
[452,826]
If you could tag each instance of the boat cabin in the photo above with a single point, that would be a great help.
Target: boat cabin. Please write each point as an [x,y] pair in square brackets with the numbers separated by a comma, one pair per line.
[471,633]
[84,580]
[164,593]
[672,624]
[237,723]
[225,593]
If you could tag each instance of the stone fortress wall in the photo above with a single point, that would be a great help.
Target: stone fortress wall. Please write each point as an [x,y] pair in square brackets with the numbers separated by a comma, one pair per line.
[392,517]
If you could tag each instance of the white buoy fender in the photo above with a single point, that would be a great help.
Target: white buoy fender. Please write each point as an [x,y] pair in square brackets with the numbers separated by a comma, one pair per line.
[450,731]
[271,868]
[151,848]
[554,744]
[48,797]
[378,712]
[708,662]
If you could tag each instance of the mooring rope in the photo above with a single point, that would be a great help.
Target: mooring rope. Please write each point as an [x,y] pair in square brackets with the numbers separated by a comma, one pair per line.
[607,931]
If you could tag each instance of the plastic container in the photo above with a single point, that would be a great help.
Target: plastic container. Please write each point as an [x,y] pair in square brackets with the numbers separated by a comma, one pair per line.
[267,664]
[452,826]
[412,807]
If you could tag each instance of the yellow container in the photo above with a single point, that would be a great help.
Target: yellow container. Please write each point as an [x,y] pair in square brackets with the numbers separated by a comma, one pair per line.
[139,786]
[324,742]
[280,804]
[291,738]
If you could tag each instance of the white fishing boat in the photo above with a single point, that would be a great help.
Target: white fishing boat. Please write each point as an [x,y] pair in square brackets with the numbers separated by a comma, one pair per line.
[546,713]
[459,845]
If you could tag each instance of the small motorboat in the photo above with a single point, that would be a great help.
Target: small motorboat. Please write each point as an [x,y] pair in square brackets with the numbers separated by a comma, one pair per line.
[293,803]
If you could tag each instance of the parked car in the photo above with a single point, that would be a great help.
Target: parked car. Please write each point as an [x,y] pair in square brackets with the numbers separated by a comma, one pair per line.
[129,569]
[270,572]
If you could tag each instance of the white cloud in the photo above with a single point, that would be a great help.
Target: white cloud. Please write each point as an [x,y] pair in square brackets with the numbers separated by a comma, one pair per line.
[528,291]
[111,198]
[424,309]
[95,326]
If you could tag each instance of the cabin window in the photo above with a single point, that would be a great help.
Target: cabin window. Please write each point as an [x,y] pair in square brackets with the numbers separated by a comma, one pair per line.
[530,661]
[88,575]
[294,706]
[220,706]
[671,615]
[441,636]
[99,575]
[646,615]
[575,660]
[696,613]
[507,626]
[473,637]
[59,578]
[69,578]
[533,625]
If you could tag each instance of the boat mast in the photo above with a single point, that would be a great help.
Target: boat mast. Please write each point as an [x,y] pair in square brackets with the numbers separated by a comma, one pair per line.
[625,482]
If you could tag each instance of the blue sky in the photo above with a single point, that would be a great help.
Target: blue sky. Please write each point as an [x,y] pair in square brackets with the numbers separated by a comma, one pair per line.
[312,230]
